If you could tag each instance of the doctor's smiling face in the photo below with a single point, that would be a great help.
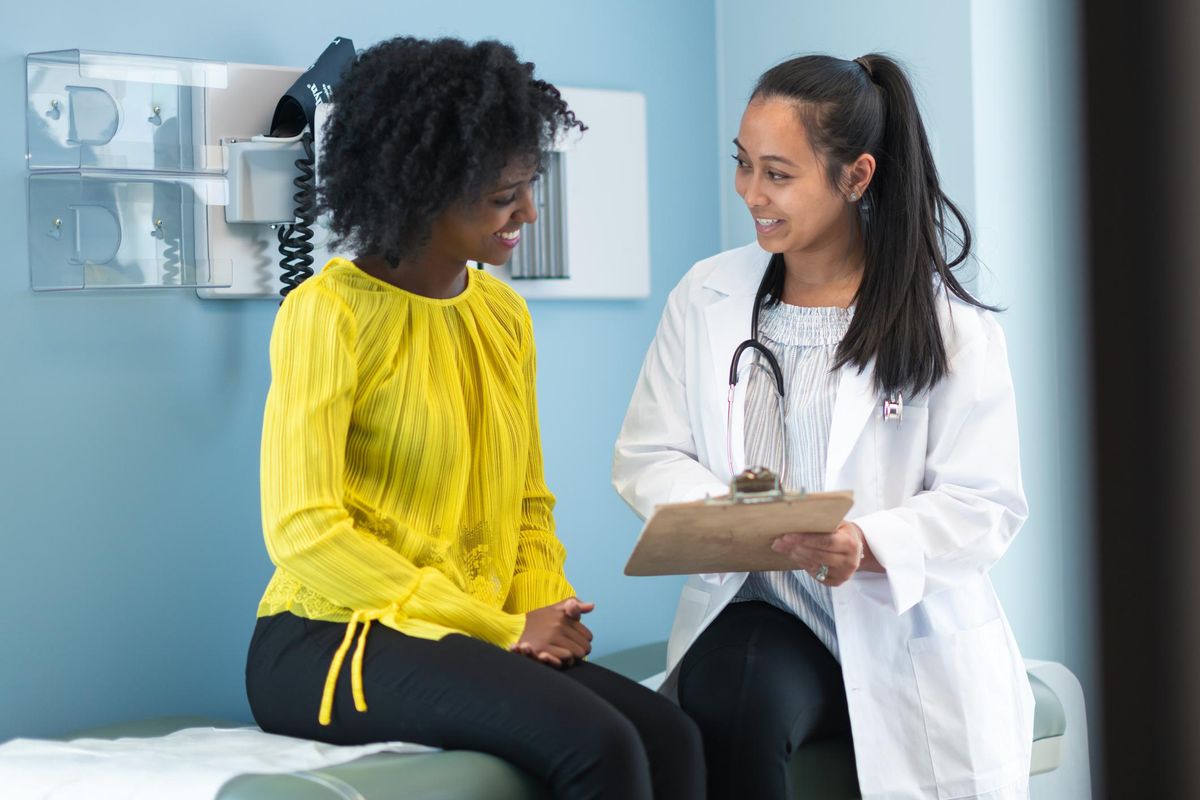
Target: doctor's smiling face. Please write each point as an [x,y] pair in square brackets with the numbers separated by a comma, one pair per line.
[786,186]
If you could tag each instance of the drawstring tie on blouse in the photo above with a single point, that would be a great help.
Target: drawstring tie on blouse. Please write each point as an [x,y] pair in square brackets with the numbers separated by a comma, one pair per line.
[356,680]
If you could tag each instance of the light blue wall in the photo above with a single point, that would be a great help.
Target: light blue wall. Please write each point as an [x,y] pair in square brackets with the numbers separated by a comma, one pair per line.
[995,84]
[131,557]
[1029,222]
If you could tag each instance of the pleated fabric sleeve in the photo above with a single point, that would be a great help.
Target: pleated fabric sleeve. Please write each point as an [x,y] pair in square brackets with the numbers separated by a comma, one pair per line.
[539,580]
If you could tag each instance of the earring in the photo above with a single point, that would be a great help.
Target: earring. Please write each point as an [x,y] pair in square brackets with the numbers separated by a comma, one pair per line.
[853,196]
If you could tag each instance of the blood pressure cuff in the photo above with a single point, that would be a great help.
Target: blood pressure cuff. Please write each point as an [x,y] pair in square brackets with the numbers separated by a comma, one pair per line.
[298,108]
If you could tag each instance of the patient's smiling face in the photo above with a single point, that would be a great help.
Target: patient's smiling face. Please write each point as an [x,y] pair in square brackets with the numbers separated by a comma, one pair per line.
[485,227]
[488,228]
[784,183]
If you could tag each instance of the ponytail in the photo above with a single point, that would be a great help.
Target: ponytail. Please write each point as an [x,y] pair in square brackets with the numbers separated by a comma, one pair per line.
[910,244]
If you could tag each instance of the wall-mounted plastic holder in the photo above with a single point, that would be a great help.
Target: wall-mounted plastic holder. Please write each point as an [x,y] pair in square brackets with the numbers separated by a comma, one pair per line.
[131,174]
[89,110]
[94,230]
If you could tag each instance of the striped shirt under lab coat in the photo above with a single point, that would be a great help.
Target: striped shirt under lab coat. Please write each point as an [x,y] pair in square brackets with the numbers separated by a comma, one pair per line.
[804,341]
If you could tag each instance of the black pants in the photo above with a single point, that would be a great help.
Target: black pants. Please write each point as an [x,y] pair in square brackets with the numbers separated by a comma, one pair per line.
[760,684]
[585,731]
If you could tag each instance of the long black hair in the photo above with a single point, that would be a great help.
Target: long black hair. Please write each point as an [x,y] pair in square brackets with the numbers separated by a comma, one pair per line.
[867,106]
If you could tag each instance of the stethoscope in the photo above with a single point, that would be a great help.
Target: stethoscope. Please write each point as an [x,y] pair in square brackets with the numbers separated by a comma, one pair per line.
[776,373]
[892,407]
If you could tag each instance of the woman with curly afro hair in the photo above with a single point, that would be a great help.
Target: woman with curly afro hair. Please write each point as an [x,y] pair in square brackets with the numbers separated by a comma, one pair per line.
[402,486]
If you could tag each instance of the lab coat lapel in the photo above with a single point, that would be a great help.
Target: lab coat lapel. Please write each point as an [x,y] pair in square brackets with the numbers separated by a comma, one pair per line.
[728,322]
[852,408]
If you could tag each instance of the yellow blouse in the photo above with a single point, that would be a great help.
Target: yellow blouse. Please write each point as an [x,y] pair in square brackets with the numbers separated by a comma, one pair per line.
[401,464]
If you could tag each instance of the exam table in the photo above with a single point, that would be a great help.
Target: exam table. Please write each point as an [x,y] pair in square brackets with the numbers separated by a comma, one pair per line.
[826,767]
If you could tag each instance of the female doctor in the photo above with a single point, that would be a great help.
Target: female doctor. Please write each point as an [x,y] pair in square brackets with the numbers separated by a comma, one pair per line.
[872,369]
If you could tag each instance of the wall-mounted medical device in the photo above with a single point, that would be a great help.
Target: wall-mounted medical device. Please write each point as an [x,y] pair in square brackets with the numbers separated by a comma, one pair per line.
[153,172]
[599,233]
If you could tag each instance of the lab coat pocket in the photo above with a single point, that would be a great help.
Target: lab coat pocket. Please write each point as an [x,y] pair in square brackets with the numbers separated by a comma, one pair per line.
[971,710]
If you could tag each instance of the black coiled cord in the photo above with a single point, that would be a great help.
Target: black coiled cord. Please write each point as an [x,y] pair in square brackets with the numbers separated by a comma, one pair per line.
[295,240]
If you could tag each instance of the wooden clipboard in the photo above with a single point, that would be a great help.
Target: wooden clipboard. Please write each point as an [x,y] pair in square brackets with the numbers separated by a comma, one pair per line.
[733,533]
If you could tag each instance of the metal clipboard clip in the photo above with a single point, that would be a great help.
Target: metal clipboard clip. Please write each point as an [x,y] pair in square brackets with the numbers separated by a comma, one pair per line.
[754,485]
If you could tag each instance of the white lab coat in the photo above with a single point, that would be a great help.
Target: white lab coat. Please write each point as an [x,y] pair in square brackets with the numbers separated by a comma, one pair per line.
[939,702]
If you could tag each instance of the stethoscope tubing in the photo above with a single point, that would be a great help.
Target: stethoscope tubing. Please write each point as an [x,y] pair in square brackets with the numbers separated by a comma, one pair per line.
[893,407]
[753,343]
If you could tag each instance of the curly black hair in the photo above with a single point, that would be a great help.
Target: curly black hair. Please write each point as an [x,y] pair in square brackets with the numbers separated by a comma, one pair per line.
[420,124]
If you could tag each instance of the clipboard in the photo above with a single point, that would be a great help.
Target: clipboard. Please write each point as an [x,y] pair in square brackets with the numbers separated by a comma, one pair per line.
[733,532]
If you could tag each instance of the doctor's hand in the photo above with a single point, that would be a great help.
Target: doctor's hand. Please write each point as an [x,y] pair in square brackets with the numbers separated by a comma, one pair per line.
[829,557]
[555,635]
